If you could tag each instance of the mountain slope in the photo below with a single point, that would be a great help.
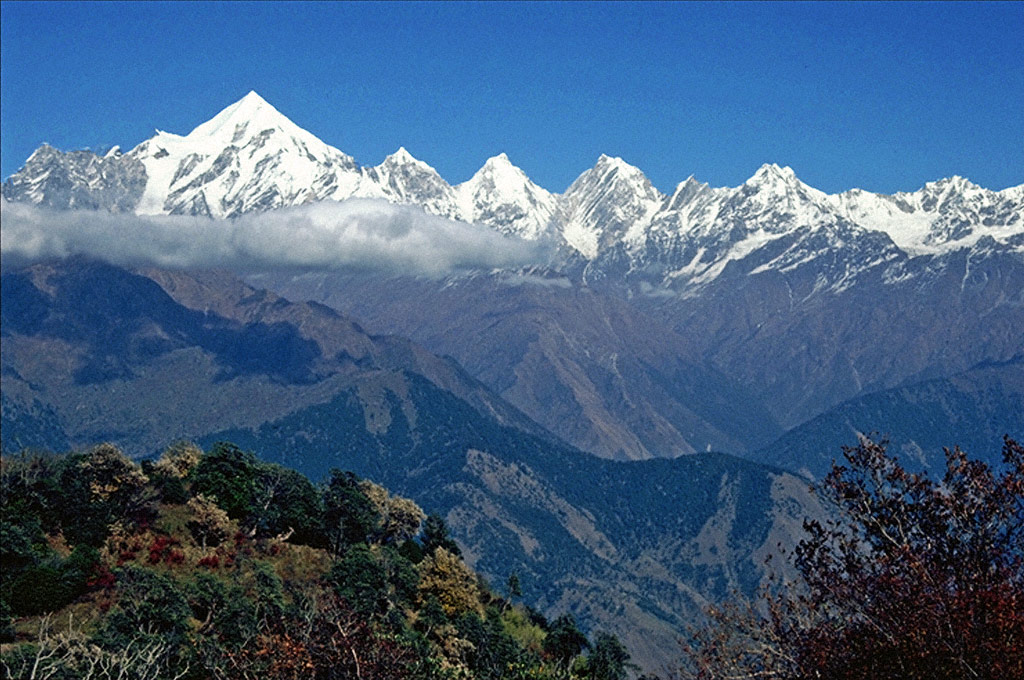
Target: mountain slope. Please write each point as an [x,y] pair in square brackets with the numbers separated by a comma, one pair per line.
[90,340]
[634,547]
[972,410]
[589,367]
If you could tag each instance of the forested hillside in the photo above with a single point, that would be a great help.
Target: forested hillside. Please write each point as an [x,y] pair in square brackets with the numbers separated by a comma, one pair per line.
[218,565]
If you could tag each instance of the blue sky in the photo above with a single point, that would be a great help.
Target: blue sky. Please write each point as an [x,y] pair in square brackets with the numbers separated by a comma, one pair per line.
[882,96]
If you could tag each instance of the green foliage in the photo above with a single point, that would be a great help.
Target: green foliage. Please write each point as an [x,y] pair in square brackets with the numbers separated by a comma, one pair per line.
[98,488]
[19,544]
[224,612]
[412,551]
[51,584]
[288,503]
[360,580]
[608,660]
[564,640]
[228,475]
[37,590]
[324,582]
[6,621]
[171,489]
[267,590]
[147,601]
[435,535]
[349,516]
[494,651]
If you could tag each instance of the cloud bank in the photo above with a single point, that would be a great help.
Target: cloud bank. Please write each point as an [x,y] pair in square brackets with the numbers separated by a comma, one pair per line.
[364,233]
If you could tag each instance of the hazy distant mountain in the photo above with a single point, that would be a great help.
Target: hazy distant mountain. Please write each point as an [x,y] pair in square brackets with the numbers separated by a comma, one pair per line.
[592,368]
[972,410]
[114,355]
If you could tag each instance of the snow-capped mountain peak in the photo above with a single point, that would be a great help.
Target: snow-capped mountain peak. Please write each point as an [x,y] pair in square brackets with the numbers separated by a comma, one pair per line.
[247,157]
[685,192]
[403,178]
[501,196]
[251,110]
[403,157]
[612,202]
[250,157]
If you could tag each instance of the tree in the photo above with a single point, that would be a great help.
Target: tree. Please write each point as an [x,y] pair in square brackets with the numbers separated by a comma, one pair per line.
[178,460]
[228,476]
[150,607]
[400,518]
[444,576]
[435,535]
[608,660]
[912,579]
[564,640]
[349,516]
[98,488]
[285,503]
[209,525]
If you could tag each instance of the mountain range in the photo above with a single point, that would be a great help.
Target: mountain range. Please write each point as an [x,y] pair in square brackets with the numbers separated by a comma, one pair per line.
[712,348]
[94,352]
[786,299]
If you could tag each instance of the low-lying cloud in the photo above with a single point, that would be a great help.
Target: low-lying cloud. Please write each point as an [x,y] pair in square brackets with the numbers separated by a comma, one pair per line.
[364,233]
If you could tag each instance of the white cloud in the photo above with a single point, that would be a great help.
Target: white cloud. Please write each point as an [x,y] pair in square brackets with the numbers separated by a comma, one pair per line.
[364,233]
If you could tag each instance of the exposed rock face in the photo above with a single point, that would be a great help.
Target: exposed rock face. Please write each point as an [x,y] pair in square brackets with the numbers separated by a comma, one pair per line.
[78,180]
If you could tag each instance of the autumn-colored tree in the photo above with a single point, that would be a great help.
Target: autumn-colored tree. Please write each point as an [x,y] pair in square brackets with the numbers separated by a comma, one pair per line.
[178,460]
[446,577]
[400,518]
[110,473]
[912,579]
[209,525]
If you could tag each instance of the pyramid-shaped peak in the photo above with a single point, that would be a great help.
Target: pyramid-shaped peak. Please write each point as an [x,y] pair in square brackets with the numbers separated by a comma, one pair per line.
[252,98]
[773,175]
[608,163]
[251,111]
[403,157]
[501,165]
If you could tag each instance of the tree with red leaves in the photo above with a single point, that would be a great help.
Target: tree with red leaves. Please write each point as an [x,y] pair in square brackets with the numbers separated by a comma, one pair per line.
[910,579]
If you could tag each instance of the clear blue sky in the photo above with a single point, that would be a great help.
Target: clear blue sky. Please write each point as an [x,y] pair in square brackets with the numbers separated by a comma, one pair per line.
[883,96]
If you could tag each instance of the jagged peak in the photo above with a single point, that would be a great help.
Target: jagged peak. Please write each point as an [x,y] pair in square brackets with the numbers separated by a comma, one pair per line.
[45,149]
[690,181]
[609,165]
[773,173]
[955,182]
[501,160]
[403,157]
[685,191]
[606,161]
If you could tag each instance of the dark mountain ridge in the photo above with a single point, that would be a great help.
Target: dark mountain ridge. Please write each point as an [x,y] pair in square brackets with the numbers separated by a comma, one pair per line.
[634,547]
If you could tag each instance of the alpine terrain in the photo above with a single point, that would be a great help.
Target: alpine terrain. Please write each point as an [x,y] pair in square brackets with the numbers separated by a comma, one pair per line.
[629,422]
